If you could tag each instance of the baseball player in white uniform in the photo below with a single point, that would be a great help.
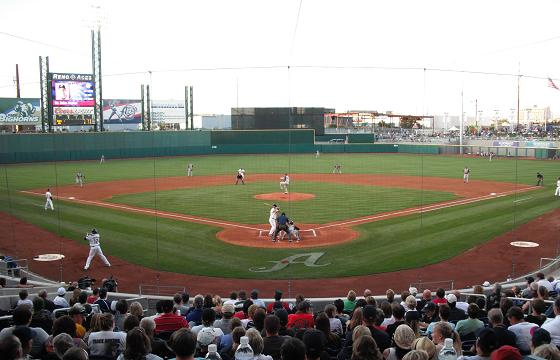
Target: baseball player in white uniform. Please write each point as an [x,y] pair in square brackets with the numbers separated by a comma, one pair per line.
[49,202]
[272,219]
[94,249]
[284,183]
[557,193]
[80,178]
[190,167]
[466,173]
[102,160]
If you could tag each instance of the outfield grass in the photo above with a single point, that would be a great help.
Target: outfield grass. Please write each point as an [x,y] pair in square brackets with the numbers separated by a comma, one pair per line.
[332,202]
[382,246]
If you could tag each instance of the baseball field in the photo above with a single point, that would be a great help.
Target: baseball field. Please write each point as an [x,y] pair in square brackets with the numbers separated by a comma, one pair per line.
[384,213]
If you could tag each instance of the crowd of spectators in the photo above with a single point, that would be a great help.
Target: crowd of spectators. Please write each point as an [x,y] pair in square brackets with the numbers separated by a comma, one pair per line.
[407,326]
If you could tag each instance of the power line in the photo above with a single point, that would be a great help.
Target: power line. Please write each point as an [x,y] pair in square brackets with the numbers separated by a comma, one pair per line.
[40,42]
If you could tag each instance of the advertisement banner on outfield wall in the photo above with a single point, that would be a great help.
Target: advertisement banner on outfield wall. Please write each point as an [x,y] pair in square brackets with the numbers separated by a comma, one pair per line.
[20,111]
[122,111]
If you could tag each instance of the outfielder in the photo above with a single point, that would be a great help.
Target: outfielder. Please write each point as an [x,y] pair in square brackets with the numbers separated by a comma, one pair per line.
[102,160]
[466,173]
[272,219]
[190,167]
[557,193]
[49,202]
[94,249]
[284,183]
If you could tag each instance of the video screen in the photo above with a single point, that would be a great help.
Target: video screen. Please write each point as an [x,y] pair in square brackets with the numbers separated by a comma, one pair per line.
[72,93]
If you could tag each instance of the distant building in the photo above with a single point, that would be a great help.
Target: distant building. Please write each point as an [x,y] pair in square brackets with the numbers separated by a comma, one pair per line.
[279,118]
[216,122]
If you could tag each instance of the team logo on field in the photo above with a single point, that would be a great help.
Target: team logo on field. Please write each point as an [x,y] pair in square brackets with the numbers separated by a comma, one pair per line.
[310,261]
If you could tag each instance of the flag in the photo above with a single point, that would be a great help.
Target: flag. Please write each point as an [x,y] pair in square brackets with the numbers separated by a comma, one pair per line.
[551,84]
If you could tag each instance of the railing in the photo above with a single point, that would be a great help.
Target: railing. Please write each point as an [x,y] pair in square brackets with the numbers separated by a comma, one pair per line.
[433,285]
[159,290]
[7,269]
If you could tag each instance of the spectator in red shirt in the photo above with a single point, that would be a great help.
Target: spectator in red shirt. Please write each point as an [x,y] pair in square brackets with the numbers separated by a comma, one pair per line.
[440,297]
[278,303]
[303,318]
[94,296]
[168,321]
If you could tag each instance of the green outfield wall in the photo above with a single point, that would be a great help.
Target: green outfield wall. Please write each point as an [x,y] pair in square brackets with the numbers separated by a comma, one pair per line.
[23,148]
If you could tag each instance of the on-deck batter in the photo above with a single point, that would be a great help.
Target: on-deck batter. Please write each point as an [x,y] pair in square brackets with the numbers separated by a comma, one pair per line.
[94,248]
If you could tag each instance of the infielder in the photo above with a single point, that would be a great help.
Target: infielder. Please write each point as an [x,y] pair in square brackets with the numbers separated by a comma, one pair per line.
[49,202]
[240,177]
[466,173]
[94,249]
[284,183]
[540,179]
[272,219]
[80,178]
[557,193]
[190,167]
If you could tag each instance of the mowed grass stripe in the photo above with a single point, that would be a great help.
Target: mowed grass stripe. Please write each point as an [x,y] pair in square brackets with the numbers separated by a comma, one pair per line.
[32,176]
[236,203]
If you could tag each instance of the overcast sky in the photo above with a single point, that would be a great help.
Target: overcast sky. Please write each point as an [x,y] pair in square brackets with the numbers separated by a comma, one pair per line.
[340,54]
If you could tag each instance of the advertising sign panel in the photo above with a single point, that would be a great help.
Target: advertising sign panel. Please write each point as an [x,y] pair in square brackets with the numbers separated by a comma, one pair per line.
[20,111]
[121,111]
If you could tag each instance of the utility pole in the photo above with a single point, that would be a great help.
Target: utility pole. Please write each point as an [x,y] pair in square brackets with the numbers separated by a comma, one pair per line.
[18,93]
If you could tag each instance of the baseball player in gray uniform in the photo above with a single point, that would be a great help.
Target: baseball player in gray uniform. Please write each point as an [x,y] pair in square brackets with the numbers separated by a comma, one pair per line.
[94,249]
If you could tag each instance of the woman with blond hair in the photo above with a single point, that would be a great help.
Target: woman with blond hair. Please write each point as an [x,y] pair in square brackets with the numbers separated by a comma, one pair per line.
[356,319]
[136,309]
[403,338]
[425,344]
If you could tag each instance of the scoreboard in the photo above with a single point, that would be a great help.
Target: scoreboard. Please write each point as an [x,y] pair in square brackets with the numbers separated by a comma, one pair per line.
[72,99]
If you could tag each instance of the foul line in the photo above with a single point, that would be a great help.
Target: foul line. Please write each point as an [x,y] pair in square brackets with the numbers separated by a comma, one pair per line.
[425,209]
[159,213]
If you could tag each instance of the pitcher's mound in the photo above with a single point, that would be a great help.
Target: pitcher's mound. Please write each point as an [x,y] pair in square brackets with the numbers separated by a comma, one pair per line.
[278,196]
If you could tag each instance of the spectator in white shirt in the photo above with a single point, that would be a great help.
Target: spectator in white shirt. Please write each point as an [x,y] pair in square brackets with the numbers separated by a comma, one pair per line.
[543,282]
[521,328]
[553,326]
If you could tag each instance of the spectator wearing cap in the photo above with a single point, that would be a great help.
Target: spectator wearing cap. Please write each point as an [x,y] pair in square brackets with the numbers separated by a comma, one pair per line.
[506,352]
[314,341]
[225,322]
[470,325]
[204,338]
[22,318]
[426,297]
[59,301]
[496,322]
[194,317]
[443,313]
[159,346]
[169,321]
[522,329]
[183,344]
[402,343]
[208,319]
[412,319]
[429,314]
[440,297]
[272,341]
[350,302]
[303,318]
[398,316]
[461,305]
[77,313]
[278,303]
[486,343]
[255,299]
[257,344]
[553,326]
[454,313]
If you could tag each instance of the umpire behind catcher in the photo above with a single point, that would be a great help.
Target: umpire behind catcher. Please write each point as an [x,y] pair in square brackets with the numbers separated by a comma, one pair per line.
[281,224]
